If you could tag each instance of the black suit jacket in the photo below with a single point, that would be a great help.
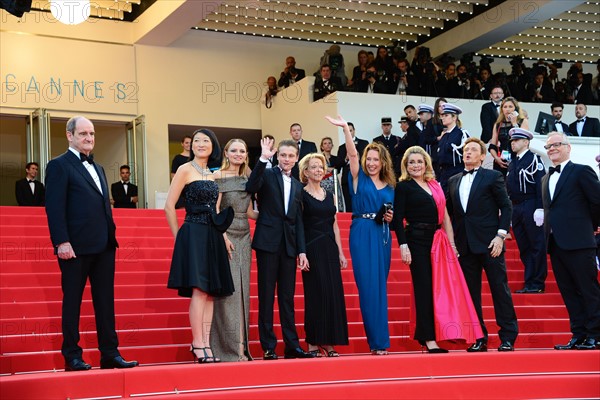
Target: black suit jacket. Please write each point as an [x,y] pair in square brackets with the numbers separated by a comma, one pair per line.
[121,199]
[475,228]
[573,214]
[591,127]
[342,153]
[488,117]
[565,127]
[548,94]
[273,223]
[77,212]
[284,79]
[24,195]
[321,90]
[306,148]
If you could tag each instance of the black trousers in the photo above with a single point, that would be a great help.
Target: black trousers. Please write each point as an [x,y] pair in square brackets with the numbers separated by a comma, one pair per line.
[532,247]
[495,270]
[419,244]
[276,271]
[577,278]
[100,269]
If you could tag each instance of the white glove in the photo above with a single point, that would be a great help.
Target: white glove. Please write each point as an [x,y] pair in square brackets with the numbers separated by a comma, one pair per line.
[538,217]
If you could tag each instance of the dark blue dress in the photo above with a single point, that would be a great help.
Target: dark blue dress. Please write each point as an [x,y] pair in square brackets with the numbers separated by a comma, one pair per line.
[371,250]
[200,257]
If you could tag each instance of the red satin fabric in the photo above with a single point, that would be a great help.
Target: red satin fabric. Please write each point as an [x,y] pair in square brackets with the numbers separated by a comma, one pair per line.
[454,312]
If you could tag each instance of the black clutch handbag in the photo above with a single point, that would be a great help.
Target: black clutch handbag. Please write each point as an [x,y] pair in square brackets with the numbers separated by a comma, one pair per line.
[384,208]
[223,220]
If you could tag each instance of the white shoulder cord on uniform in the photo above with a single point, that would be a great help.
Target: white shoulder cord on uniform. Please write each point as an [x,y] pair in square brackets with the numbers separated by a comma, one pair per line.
[456,154]
[526,174]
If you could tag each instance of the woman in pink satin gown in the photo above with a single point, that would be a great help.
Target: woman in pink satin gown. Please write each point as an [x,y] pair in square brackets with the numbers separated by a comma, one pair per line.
[442,309]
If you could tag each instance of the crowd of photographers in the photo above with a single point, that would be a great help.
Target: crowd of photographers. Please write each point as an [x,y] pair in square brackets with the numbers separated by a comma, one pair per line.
[389,72]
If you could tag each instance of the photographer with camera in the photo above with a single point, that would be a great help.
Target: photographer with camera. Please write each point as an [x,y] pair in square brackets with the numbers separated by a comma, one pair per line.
[540,91]
[483,83]
[517,80]
[426,72]
[359,83]
[459,87]
[290,74]
[404,82]
[579,85]
[271,91]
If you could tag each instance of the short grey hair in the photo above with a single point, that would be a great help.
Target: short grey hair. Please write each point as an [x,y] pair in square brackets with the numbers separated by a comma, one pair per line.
[564,137]
[72,123]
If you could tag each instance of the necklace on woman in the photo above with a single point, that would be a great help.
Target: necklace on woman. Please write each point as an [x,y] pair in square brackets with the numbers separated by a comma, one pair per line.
[203,171]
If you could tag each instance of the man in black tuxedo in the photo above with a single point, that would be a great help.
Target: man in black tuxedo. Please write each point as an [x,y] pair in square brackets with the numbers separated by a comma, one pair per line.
[28,191]
[124,193]
[290,74]
[304,146]
[82,232]
[584,126]
[540,91]
[344,164]
[481,213]
[557,112]
[489,113]
[571,197]
[392,143]
[278,242]
[326,84]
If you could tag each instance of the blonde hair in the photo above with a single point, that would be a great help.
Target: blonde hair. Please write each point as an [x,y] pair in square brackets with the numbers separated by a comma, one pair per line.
[428,175]
[244,169]
[303,166]
[518,109]
[387,168]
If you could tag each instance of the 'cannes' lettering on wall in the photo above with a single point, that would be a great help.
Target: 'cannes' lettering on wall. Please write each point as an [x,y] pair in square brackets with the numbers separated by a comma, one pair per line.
[33,90]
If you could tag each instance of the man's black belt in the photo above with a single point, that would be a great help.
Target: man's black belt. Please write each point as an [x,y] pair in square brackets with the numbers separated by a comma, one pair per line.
[423,226]
[365,216]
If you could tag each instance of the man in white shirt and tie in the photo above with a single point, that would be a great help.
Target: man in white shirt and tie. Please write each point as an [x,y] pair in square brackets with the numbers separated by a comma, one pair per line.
[584,126]
[557,112]
[489,113]
[124,193]
[29,191]
[304,146]
[571,198]
[481,212]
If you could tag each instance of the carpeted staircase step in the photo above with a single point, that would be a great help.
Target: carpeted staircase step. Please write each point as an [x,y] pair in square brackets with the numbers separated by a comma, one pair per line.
[492,375]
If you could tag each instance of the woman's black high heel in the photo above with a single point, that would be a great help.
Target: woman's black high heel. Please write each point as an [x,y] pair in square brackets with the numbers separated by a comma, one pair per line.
[329,353]
[433,350]
[196,358]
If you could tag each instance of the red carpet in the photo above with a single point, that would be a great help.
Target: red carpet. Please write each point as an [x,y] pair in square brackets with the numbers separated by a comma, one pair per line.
[154,329]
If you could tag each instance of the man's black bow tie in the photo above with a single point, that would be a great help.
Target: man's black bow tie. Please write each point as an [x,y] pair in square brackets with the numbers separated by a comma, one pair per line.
[28,181]
[471,171]
[552,170]
[84,158]
[580,120]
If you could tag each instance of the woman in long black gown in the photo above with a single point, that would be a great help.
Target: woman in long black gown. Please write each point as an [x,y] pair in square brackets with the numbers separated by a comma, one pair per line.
[325,319]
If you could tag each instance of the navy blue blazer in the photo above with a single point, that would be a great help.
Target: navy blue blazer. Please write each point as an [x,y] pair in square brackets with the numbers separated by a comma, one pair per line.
[77,212]
[573,214]
[273,223]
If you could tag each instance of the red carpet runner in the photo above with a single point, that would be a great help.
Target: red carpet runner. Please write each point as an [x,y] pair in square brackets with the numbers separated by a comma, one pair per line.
[154,329]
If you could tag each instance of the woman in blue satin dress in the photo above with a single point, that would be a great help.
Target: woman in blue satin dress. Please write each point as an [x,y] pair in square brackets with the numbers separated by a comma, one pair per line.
[372,184]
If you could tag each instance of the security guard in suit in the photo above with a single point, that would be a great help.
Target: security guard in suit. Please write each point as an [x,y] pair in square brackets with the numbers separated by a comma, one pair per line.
[524,186]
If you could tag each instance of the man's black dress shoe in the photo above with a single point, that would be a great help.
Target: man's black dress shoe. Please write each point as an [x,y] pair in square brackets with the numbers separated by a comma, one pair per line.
[297,353]
[77,364]
[269,355]
[569,346]
[588,344]
[506,346]
[477,347]
[117,362]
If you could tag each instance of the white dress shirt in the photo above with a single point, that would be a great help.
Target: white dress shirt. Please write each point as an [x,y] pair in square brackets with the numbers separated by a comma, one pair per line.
[90,168]
[464,188]
[553,180]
